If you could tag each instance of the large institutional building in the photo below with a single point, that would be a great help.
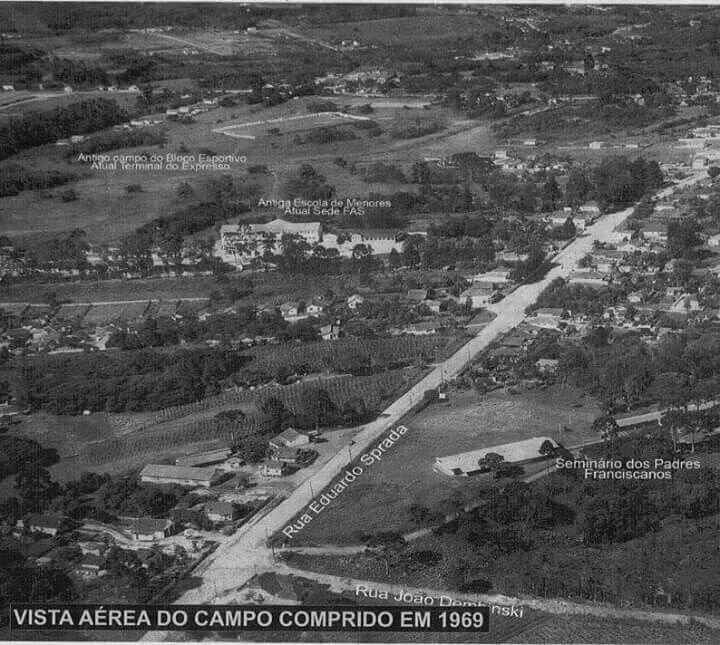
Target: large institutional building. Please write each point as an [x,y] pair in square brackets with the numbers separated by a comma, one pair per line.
[240,243]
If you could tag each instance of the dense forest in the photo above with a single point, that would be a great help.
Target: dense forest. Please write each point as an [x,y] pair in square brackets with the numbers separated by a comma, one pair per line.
[38,128]
[614,541]
[131,381]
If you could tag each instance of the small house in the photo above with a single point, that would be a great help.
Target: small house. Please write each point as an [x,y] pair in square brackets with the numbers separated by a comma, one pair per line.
[273,468]
[417,295]
[91,566]
[50,524]
[289,310]
[289,438]
[354,301]
[218,511]
[148,529]
[330,332]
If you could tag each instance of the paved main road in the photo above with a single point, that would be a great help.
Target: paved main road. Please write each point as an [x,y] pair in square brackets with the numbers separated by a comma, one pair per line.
[235,561]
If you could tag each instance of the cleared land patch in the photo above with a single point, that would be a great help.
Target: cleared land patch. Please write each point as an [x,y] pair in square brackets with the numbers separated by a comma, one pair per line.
[380,499]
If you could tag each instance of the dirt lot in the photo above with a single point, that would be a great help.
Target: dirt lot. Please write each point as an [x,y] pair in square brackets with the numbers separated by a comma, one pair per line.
[380,498]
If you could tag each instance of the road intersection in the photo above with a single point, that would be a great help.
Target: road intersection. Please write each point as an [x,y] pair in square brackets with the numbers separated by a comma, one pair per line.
[237,560]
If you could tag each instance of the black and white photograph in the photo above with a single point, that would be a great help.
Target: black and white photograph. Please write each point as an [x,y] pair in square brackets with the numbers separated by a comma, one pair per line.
[359,322]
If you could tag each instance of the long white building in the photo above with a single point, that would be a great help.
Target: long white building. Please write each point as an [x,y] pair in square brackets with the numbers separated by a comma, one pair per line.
[240,243]
[468,463]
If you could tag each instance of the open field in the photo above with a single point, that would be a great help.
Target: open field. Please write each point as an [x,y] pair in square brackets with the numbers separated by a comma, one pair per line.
[103,209]
[406,31]
[107,212]
[286,125]
[380,499]
[107,290]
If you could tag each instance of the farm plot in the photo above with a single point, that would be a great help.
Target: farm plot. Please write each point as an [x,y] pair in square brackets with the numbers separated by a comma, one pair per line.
[354,352]
[287,124]
[106,312]
[72,312]
[374,391]
[190,306]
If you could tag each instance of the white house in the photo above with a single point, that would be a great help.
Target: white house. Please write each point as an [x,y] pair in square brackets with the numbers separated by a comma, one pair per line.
[273,468]
[354,301]
[655,232]
[548,317]
[590,208]
[218,511]
[495,278]
[330,332]
[289,438]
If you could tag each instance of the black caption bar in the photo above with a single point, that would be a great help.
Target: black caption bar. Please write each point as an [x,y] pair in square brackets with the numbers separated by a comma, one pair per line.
[250,618]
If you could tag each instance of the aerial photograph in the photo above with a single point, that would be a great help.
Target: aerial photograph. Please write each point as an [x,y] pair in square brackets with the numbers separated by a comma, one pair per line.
[363,322]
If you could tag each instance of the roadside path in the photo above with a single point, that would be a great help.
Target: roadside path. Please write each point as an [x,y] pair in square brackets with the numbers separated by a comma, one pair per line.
[342,584]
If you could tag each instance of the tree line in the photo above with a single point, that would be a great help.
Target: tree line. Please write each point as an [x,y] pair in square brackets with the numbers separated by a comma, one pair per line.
[119,382]
[38,128]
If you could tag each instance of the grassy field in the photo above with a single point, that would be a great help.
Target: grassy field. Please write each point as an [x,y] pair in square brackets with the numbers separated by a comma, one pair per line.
[380,498]
[103,209]
[107,212]
[407,31]
[37,101]
[293,124]
[109,290]
[590,629]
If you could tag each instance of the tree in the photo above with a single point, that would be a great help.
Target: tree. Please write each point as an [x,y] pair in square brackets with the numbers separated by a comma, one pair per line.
[320,409]
[682,236]
[551,193]
[578,187]
[607,427]
[276,417]
[309,184]
[491,461]
[35,487]
[184,190]
[547,448]
[568,229]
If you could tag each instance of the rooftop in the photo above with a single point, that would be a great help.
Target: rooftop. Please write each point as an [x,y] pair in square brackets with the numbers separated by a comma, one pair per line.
[178,472]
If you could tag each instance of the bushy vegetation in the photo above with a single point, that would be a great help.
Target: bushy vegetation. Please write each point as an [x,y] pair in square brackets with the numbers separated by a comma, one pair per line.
[116,139]
[14,178]
[631,531]
[323,135]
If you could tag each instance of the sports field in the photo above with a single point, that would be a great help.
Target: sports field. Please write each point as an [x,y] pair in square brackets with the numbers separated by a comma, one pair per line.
[380,498]
[288,124]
